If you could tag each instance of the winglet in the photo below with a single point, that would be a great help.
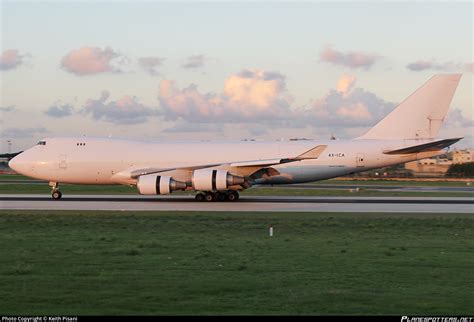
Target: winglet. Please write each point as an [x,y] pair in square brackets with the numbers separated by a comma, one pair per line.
[313,153]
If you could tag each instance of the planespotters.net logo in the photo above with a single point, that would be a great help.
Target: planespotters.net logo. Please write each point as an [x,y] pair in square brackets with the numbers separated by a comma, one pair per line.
[437,319]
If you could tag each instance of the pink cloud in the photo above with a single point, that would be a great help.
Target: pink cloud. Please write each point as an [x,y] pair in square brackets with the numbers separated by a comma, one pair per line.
[10,59]
[89,60]
[349,59]
[469,67]
[260,97]
[345,83]
[357,111]
[248,95]
[347,106]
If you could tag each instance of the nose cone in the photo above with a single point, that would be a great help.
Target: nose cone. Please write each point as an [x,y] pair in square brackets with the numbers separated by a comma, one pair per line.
[17,164]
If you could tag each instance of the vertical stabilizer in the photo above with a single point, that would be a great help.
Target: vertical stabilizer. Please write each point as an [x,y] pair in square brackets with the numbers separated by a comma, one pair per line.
[421,115]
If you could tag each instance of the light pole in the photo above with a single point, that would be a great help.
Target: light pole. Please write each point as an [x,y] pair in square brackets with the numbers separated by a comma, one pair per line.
[9,146]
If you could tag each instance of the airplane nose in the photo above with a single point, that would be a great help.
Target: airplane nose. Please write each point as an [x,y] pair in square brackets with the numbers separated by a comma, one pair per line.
[15,164]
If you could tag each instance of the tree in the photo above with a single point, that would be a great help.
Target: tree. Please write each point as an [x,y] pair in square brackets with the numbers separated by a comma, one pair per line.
[463,170]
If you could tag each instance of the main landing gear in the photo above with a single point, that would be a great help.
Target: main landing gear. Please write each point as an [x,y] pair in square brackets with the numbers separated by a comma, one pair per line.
[230,195]
[55,193]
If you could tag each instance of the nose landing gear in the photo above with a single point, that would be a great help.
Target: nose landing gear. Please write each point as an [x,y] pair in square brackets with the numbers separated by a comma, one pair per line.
[230,195]
[55,193]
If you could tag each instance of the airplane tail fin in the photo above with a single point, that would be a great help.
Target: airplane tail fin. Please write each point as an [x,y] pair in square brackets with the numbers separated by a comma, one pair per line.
[421,115]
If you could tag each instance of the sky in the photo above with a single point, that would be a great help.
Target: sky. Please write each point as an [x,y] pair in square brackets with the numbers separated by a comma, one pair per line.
[225,70]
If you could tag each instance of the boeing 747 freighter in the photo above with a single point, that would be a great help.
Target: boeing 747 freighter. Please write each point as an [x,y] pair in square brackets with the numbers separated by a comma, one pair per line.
[218,170]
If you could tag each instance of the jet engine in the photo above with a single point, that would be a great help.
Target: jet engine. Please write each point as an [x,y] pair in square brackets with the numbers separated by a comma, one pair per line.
[153,184]
[212,180]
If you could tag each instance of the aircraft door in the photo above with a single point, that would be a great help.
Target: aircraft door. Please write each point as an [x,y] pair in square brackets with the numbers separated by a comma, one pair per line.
[62,161]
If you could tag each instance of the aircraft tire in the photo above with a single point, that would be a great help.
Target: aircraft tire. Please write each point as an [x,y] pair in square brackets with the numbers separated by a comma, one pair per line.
[233,195]
[221,196]
[56,195]
[209,196]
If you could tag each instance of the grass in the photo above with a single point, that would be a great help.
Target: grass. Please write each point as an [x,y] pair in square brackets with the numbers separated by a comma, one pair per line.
[67,189]
[76,262]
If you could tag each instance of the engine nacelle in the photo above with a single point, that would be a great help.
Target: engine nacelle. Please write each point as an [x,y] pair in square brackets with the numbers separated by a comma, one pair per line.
[212,180]
[152,184]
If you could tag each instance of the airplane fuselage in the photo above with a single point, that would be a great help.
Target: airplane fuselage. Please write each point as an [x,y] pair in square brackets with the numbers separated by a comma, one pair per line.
[103,160]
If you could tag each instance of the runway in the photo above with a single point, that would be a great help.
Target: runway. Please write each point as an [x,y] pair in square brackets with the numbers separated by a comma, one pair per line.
[246,203]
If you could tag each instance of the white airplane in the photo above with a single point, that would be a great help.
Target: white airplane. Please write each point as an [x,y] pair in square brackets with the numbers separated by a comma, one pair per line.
[218,171]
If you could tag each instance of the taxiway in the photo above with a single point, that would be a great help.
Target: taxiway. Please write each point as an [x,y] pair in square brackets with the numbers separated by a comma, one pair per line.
[246,203]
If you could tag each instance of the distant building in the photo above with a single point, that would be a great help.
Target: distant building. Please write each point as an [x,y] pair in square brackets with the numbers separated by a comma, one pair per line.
[437,166]
[463,156]
[429,167]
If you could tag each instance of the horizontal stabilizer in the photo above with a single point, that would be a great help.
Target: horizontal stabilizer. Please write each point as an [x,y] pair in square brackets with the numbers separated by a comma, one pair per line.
[426,147]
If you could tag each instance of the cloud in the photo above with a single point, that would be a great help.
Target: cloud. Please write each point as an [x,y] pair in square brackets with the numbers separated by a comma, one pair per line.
[21,133]
[126,110]
[150,64]
[469,67]
[251,95]
[185,127]
[6,109]
[349,59]
[10,59]
[419,65]
[422,65]
[346,107]
[90,60]
[345,83]
[59,111]
[255,97]
[195,61]
[455,118]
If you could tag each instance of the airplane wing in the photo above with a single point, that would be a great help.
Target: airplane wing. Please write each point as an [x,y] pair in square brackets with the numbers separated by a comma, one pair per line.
[426,147]
[240,168]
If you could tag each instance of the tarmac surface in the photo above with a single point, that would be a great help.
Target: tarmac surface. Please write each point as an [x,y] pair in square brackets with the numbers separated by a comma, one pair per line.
[246,203]
[345,186]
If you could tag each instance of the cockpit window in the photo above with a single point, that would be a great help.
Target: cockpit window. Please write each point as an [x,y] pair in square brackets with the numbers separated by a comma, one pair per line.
[41,143]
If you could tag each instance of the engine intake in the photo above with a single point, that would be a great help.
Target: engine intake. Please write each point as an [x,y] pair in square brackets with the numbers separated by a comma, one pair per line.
[153,184]
[212,180]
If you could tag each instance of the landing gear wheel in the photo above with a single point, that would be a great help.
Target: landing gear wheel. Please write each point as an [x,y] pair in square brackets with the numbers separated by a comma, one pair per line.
[221,196]
[56,195]
[210,196]
[199,197]
[233,195]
